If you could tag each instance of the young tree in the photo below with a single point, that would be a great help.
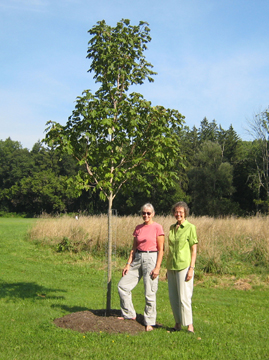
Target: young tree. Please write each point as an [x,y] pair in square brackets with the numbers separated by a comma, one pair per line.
[118,135]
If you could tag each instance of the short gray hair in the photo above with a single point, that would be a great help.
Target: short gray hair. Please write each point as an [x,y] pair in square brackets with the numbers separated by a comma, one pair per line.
[148,205]
[183,205]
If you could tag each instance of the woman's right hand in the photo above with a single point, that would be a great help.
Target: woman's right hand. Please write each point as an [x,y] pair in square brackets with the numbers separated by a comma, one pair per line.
[126,269]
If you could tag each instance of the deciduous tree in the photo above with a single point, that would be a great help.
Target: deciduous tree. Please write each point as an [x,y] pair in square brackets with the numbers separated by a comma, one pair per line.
[118,135]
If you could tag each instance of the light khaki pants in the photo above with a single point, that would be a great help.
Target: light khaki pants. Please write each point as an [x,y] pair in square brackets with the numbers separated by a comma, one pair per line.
[142,266]
[180,294]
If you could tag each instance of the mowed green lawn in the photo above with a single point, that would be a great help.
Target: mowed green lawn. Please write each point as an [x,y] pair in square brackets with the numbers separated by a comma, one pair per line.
[39,285]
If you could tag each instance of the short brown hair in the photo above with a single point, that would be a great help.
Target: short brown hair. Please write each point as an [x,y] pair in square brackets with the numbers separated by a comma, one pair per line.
[183,205]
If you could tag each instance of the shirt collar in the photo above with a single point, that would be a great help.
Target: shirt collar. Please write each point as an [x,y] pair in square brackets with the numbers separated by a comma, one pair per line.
[183,224]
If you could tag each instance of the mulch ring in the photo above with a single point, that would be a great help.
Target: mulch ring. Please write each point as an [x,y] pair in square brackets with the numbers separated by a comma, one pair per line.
[97,321]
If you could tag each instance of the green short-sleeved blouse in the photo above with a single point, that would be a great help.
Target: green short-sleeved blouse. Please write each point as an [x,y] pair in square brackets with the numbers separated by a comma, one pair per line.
[180,242]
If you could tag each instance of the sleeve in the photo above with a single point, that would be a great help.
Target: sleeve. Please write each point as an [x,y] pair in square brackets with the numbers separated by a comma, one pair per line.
[134,233]
[160,230]
[193,236]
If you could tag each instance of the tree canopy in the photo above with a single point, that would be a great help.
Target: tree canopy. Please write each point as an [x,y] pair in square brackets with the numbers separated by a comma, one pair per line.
[119,136]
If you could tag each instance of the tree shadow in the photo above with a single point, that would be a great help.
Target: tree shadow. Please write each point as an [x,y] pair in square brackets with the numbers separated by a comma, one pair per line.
[70,309]
[26,290]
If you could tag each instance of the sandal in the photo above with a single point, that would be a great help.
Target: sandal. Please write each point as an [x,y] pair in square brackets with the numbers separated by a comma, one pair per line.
[175,329]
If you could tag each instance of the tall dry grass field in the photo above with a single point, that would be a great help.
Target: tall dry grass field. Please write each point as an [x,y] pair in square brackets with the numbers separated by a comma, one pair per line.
[227,235]
[216,236]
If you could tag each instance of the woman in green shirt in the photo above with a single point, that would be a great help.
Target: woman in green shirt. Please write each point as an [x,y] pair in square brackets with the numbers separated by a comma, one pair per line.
[182,243]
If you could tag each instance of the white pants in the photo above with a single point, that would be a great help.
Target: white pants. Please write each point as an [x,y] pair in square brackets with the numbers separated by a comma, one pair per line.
[180,294]
[142,265]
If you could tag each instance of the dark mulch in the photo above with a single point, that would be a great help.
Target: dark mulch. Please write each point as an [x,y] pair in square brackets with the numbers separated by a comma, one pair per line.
[96,321]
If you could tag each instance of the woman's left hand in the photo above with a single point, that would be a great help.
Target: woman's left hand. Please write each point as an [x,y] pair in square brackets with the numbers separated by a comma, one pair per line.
[189,274]
[154,273]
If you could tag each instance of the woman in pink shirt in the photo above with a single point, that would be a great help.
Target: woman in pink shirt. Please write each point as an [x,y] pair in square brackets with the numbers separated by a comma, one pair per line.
[144,261]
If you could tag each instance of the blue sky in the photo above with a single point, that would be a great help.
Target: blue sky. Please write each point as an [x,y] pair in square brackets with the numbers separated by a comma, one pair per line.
[211,56]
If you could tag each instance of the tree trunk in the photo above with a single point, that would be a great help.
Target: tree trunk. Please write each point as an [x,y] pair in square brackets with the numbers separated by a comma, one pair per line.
[109,257]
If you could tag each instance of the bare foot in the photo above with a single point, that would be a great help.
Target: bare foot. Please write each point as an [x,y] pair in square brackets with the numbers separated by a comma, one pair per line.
[190,328]
[148,328]
[122,318]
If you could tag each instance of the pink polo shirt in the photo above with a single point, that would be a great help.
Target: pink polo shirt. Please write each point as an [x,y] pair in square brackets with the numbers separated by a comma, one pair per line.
[146,236]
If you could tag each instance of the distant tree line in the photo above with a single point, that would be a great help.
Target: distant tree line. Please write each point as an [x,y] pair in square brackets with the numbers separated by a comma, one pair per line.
[223,175]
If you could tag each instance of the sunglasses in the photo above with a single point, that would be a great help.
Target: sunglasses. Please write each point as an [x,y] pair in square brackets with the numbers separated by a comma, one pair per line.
[146,213]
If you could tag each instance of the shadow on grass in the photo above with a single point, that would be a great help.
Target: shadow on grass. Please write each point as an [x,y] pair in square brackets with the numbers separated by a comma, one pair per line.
[26,290]
[70,309]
